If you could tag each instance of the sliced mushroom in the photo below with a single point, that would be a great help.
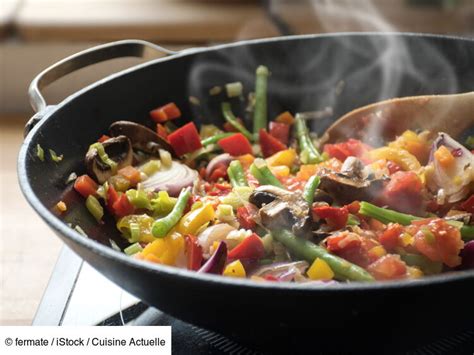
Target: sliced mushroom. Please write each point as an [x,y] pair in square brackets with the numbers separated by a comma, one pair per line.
[119,149]
[461,216]
[281,209]
[353,167]
[345,188]
[142,138]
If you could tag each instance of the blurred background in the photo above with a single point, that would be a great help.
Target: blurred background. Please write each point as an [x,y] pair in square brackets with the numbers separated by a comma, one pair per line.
[36,33]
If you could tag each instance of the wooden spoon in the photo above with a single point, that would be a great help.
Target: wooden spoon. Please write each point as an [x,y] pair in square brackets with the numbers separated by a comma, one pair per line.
[383,121]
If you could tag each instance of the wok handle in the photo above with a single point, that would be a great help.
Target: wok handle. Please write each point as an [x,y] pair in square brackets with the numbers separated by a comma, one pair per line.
[94,55]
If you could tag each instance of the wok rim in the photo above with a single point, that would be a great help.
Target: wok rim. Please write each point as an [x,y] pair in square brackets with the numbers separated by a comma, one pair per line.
[219,281]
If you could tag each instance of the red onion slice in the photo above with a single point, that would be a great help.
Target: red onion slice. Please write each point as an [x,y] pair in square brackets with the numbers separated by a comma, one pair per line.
[455,180]
[172,179]
[216,263]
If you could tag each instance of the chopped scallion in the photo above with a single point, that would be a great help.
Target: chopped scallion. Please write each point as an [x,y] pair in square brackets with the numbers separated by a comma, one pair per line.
[133,249]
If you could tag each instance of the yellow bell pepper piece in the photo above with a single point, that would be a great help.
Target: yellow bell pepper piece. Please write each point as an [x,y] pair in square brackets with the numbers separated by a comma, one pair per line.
[280,170]
[234,269]
[285,157]
[246,160]
[400,157]
[320,270]
[193,220]
[444,157]
[165,250]
[415,144]
[378,251]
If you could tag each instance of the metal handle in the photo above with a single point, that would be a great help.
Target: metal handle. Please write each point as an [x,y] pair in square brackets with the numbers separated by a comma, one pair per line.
[94,55]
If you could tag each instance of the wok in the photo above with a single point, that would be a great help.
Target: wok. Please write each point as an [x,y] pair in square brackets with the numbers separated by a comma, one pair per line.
[343,71]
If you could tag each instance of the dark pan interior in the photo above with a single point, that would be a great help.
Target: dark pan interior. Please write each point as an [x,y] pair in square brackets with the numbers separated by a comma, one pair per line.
[307,73]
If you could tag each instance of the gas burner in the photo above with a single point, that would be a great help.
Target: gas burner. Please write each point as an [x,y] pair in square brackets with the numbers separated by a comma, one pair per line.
[71,298]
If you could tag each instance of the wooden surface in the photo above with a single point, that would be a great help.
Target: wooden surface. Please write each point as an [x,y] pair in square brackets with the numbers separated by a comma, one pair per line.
[160,20]
[28,248]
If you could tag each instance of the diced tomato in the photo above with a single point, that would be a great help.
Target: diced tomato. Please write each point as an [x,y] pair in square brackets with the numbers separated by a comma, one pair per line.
[280,131]
[438,240]
[403,192]
[185,139]
[165,113]
[235,145]
[389,238]
[350,148]
[219,172]
[388,267]
[393,167]
[245,216]
[161,131]
[103,138]
[342,241]
[269,144]
[468,205]
[112,197]
[334,216]
[353,207]
[85,185]
[122,207]
[285,117]
[193,252]
[351,247]
[250,248]
[131,174]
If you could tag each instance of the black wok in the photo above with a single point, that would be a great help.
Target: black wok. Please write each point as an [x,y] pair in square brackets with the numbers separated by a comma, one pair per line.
[343,71]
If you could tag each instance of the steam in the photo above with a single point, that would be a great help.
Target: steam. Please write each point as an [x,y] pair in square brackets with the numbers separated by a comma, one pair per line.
[343,72]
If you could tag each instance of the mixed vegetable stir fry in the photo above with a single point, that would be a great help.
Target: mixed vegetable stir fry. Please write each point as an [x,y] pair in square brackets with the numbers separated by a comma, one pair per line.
[270,203]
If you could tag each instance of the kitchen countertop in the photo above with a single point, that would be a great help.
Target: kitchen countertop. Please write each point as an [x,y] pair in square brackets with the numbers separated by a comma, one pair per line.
[28,248]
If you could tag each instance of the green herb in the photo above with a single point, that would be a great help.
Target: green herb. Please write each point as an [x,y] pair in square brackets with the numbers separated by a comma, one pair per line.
[39,152]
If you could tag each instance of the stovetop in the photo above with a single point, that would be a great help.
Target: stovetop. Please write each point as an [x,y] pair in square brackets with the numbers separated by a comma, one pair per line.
[79,295]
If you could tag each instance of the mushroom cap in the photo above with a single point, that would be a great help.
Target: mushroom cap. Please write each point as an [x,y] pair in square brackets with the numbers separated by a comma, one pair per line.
[119,149]
[141,137]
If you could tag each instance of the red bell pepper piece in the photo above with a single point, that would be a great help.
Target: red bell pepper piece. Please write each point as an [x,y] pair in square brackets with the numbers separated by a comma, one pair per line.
[112,197]
[280,131]
[250,248]
[103,138]
[193,252]
[85,185]
[219,172]
[165,113]
[161,131]
[122,207]
[185,139]
[236,145]
[335,217]
[269,144]
[468,205]
[351,147]
[245,218]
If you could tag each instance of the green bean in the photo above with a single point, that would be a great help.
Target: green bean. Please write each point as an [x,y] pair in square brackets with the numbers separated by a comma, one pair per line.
[237,174]
[426,265]
[309,251]
[310,188]
[216,138]
[260,109]
[385,215]
[308,152]
[162,226]
[230,117]
[262,173]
